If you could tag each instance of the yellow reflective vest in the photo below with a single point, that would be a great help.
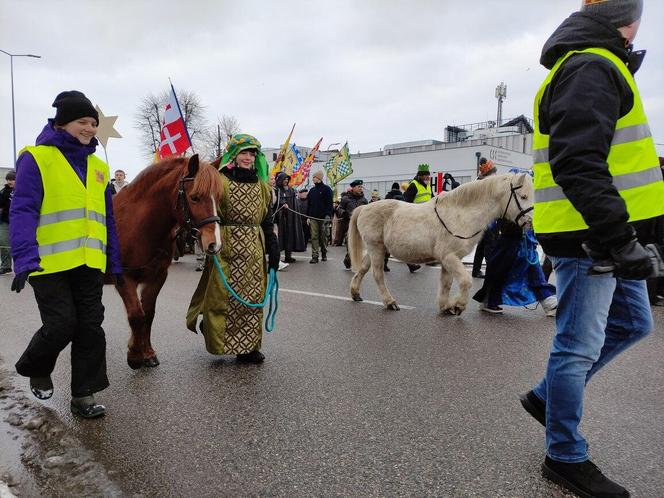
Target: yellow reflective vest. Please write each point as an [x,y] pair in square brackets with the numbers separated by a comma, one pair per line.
[72,219]
[423,193]
[632,160]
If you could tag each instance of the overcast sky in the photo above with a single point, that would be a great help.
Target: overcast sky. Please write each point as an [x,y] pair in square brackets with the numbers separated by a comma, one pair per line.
[370,72]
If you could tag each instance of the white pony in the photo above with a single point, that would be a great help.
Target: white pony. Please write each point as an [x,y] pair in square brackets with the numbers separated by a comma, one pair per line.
[444,229]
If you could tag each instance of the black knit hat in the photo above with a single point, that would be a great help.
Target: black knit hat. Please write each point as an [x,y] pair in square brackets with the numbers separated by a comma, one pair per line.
[395,186]
[72,105]
[11,175]
[619,12]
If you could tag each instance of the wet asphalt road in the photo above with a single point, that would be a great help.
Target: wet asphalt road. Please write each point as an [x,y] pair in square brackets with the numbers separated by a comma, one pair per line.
[352,400]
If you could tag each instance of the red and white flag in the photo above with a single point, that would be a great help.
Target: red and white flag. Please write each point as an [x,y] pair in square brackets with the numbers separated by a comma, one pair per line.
[174,135]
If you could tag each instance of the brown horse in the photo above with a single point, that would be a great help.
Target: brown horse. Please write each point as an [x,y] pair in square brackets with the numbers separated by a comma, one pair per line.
[168,202]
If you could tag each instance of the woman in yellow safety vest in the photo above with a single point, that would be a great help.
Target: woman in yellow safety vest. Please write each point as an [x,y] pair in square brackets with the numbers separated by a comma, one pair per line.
[62,235]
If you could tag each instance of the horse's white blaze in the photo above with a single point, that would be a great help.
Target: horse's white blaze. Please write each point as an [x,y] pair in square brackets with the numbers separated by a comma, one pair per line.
[217,230]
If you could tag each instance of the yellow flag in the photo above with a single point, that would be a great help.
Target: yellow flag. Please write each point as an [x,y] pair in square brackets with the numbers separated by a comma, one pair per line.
[278,165]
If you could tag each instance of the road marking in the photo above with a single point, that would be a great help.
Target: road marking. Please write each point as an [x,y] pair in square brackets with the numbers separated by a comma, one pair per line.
[340,298]
[307,258]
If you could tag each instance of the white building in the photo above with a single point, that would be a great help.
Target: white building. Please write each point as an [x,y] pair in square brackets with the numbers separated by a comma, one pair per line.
[508,146]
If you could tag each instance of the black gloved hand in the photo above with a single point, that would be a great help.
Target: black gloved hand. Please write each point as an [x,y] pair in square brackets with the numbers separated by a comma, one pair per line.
[21,278]
[119,279]
[632,261]
[273,261]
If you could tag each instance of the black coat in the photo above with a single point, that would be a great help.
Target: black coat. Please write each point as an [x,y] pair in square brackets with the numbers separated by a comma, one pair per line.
[291,234]
[394,194]
[348,204]
[5,202]
[320,201]
[579,111]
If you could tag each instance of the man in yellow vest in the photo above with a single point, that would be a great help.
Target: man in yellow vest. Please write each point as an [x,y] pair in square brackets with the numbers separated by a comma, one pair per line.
[596,175]
[419,191]
[62,235]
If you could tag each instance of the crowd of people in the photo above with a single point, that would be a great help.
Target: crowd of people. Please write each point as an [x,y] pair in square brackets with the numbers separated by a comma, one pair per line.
[56,217]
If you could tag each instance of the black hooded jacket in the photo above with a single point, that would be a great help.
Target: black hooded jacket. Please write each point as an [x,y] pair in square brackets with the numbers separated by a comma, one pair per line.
[579,111]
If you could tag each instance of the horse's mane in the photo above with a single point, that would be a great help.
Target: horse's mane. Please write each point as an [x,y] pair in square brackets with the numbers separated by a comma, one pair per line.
[206,181]
[470,193]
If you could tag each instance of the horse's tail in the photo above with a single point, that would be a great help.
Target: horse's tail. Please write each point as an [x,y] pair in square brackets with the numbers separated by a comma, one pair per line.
[355,243]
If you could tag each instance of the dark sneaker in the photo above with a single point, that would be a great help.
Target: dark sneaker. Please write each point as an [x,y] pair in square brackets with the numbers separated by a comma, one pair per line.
[478,274]
[323,257]
[313,260]
[253,357]
[385,268]
[534,406]
[289,260]
[3,271]
[414,268]
[86,407]
[496,310]
[583,478]
[41,387]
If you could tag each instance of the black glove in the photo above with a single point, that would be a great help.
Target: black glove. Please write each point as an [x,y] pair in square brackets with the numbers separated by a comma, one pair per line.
[19,280]
[273,261]
[119,279]
[632,261]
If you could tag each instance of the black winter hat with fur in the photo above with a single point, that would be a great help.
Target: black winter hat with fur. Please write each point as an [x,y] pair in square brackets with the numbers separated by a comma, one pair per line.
[73,105]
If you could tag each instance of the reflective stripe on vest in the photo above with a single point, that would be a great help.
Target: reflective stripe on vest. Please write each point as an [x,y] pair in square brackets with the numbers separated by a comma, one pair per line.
[632,162]
[72,221]
[423,193]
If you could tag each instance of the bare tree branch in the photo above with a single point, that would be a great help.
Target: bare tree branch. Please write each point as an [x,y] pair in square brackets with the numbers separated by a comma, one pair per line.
[149,114]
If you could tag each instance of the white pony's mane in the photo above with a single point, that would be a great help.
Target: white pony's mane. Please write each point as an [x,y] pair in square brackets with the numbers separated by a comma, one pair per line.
[470,193]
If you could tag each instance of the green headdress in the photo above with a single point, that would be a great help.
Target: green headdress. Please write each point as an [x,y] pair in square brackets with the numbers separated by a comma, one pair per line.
[243,141]
[423,169]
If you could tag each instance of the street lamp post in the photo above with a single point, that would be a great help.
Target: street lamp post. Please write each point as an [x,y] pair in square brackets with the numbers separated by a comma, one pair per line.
[11,72]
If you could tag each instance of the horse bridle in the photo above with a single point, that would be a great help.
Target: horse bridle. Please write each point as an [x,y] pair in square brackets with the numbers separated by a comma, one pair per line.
[189,229]
[522,212]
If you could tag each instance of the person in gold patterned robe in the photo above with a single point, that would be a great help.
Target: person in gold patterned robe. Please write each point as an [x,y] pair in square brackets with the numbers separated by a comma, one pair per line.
[230,327]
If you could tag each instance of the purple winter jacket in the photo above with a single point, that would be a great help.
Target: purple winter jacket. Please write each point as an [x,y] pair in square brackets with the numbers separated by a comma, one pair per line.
[29,193]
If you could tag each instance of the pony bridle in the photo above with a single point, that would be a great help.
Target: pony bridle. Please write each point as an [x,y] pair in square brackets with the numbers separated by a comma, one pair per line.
[513,195]
[190,228]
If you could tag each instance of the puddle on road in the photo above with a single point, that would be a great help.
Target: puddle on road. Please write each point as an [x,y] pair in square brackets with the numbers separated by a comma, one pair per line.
[39,455]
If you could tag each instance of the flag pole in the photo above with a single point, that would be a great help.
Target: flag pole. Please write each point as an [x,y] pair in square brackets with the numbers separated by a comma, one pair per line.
[182,116]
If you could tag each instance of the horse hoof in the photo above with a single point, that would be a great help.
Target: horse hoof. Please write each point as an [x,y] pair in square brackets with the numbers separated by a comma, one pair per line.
[134,364]
[454,311]
[393,306]
[357,298]
[151,362]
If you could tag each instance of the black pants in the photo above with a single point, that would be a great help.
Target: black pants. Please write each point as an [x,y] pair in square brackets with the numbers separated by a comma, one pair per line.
[479,256]
[71,311]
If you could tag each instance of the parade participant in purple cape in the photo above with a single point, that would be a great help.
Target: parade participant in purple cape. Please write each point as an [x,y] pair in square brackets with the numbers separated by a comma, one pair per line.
[63,239]
[596,173]
[291,235]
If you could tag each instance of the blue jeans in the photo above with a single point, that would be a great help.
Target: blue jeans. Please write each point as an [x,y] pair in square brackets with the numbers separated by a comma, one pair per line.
[598,317]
